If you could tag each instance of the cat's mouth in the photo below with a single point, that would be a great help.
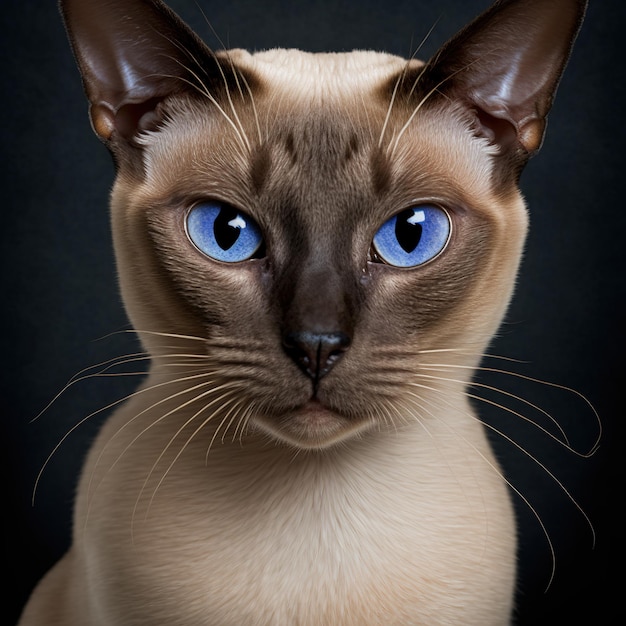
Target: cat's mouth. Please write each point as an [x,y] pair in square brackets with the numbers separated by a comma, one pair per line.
[312,425]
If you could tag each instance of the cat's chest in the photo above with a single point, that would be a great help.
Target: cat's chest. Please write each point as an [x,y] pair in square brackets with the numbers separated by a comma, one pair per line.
[377,534]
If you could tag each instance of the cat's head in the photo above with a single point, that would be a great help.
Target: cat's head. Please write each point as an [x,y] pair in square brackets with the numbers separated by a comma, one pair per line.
[323,225]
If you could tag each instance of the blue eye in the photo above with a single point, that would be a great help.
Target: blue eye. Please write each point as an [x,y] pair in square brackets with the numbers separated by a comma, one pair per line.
[223,233]
[413,237]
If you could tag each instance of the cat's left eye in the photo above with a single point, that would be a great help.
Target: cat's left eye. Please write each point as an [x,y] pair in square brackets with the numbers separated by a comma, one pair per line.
[223,233]
[413,237]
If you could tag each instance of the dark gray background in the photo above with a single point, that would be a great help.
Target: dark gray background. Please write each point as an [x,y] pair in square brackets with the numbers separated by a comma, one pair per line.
[566,323]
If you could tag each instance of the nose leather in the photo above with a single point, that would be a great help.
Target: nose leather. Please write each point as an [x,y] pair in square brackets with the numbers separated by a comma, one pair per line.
[316,353]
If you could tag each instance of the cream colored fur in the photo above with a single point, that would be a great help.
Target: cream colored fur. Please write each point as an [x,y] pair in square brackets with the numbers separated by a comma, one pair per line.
[403,523]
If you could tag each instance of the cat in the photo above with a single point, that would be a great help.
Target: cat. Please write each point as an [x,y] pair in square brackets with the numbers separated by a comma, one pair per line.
[315,250]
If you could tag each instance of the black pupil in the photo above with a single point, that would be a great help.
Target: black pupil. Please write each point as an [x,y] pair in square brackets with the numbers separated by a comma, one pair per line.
[225,234]
[408,234]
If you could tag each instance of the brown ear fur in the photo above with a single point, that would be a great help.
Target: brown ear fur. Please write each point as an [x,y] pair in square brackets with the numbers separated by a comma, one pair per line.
[132,55]
[506,65]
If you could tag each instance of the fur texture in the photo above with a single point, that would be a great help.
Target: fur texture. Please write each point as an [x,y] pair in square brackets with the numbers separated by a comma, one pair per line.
[231,488]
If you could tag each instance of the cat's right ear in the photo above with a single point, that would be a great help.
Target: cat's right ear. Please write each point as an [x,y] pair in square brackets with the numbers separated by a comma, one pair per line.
[506,66]
[132,54]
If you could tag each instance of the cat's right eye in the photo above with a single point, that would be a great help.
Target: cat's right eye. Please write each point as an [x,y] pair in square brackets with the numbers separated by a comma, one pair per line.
[223,233]
[413,237]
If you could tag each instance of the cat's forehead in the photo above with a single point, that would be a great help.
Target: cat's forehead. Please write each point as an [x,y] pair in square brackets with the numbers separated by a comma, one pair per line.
[312,75]
[307,121]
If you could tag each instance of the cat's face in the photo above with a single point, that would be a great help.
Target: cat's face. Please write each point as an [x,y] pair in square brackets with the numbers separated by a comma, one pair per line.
[319,174]
[323,226]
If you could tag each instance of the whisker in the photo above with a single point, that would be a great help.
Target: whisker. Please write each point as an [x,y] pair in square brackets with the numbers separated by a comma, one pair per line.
[384,412]
[220,398]
[217,430]
[210,25]
[110,363]
[204,88]
[203,91]
[391,103]
[422,102]
[468,353]
[538,381]
[98,411]
[500,474]
[565,442]
[364,107]
[517,445]
[539,463]
[399,80]
[240,424]
[254,108]
[236,75]
[77,378]
[231,103]
[416,110]
[157,421]
[248,411]
[184,447]
[161,334]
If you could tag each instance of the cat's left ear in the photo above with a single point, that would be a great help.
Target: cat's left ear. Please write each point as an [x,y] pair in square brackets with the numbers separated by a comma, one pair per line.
[506,66]
[133,54]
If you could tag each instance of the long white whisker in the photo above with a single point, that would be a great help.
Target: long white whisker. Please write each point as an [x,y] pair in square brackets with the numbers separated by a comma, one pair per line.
[184,447]
[202,409]
[539,463]
[254,108]
[195,399]
[232,104]
[237,75]
[422,102]
[517,445]
[82,421]
[464,352]
[77,378]
[155,422]
[500,474]
[110,363]
[160,334]
[397,84]
[242,423]
[565,442]
[203,91]
[100,410]
[391,103]
[531,379]
[416,110]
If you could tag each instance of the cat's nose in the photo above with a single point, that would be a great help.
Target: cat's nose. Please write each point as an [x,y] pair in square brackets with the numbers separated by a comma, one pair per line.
[316,353]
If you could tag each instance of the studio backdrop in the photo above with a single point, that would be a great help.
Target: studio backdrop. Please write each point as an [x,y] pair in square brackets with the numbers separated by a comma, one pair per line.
[62,312]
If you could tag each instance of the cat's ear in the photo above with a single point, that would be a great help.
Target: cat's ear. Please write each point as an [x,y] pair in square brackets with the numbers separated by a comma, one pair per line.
[132,54]
[506,66]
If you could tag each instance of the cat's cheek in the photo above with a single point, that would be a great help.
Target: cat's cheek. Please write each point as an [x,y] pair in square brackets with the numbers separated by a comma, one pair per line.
[414,303]
[226,297]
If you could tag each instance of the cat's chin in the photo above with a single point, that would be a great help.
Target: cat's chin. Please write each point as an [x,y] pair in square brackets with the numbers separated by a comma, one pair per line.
[312,426]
